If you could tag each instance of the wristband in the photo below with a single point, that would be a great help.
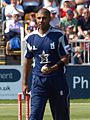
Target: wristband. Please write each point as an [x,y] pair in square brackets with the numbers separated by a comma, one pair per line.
[60,64]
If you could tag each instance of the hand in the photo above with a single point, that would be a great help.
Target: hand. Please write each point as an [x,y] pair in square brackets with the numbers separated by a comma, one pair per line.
[45,69]
[25,89]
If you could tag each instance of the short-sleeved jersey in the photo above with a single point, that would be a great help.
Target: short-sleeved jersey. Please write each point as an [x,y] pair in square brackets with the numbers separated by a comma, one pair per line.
[46,49]
[9,10]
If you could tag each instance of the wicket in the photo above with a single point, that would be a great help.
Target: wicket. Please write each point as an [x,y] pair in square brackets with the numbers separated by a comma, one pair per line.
[27,108]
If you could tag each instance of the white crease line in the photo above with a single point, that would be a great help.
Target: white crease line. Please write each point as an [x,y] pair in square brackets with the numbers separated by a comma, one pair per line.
[24,104]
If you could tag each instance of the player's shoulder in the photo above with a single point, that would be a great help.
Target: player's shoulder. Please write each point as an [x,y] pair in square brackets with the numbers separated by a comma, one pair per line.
[54,29]
[33,33]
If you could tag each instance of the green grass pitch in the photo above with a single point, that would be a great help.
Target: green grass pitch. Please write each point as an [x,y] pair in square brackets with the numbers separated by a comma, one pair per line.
[79,110]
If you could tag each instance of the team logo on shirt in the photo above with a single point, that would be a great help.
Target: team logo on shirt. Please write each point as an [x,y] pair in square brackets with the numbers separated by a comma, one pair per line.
[44,57]
[67,48]
[52,45]
[61,93]
[34,48]
[31,47]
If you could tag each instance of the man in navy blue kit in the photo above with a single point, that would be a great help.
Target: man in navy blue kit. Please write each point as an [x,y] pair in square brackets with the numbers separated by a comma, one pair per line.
[49,49]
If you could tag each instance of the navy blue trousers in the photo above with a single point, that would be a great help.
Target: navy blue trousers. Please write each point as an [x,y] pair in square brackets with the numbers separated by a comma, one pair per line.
[55,90]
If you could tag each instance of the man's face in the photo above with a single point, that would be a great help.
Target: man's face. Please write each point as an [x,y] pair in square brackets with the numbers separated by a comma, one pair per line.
[14,1]
[69,14]
[43,20]
[86,13]
[32,16]
[69,17]
[16,17]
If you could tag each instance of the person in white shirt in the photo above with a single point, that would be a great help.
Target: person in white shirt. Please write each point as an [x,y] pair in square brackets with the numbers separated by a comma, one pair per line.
[13,6]
[49,4]
[54,19]
[13,29]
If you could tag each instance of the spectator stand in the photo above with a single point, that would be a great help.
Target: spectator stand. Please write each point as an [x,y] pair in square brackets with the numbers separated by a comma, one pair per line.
[2,50]
[14,56]
[20,53]
[84,52]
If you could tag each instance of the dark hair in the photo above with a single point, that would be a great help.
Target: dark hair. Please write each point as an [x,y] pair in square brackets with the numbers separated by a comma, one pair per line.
[44,11]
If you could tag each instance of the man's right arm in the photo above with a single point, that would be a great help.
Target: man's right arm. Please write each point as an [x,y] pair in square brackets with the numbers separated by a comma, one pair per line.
[26,71]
